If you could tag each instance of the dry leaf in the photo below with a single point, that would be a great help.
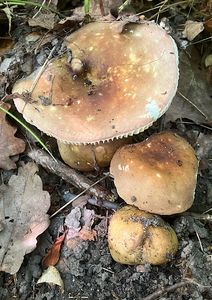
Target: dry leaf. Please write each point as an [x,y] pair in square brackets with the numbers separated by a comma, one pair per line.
[79,222]
[194,86]
[192,29]
[44,17]
[25,207]
[52,276]
[46,21]
[10,145]
[53,254]
[87,235]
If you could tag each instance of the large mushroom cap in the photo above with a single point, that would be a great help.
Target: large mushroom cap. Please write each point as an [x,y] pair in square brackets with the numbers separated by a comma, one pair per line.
[126,81]
[157,175]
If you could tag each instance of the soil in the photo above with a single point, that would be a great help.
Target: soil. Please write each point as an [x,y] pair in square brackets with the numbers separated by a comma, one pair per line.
[88,271]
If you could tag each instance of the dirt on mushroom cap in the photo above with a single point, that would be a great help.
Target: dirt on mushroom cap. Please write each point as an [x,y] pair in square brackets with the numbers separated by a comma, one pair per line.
[132,74]
[157,175]
[138,237]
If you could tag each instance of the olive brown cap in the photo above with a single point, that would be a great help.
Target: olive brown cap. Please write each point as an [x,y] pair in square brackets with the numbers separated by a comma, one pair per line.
[114,84]
[157,175]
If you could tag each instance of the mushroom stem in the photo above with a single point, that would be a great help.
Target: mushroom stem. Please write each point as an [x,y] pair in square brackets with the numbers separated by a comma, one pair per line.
[90,157]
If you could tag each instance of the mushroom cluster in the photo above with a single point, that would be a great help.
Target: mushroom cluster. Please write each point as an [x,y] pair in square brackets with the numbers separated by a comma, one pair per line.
[114,81]
[103,90]
[158,176]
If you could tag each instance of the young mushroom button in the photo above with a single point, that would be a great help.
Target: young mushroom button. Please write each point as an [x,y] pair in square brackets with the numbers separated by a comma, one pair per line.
[108,80]
[157,175]
[137,237]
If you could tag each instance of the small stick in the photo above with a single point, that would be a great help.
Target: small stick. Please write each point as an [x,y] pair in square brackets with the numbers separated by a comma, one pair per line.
[41,70]
[76,197]
[69,175]
[165,290]
[203,216]
[173,287]
[194,105]
[103,203]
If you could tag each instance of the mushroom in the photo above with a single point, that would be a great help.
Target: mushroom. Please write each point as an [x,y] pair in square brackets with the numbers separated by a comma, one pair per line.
[138,237]
[103,89]
[89,157]
[157,175]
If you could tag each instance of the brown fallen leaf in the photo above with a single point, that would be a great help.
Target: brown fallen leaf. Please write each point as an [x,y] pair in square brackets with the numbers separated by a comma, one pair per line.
[87,235]
[25,207]
[53,254]
[45,18]
[10,145]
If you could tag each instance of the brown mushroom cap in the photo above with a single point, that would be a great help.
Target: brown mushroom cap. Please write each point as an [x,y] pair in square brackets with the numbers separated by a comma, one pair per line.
[157,175]
[128,82]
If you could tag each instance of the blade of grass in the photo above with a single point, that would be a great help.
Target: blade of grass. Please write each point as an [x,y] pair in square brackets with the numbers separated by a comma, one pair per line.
[86,6]
[28,129]
[26,2]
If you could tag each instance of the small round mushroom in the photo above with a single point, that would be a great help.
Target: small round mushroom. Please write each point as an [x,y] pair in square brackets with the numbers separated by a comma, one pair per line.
[90,157]
[157,175]
[138,237]
[102,90]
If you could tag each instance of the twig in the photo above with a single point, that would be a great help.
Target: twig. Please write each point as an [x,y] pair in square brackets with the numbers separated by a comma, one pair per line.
[41,70]
[69,175]
[199,240]
[203,217]
[170,289]
[103,203]
[200,41]
[161,7]
[35,15]
[189,101]
[80,194]
[165,290]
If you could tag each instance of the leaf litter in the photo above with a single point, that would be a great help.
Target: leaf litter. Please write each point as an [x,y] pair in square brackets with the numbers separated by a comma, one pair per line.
[25,207]
[9,145]
[79,226]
